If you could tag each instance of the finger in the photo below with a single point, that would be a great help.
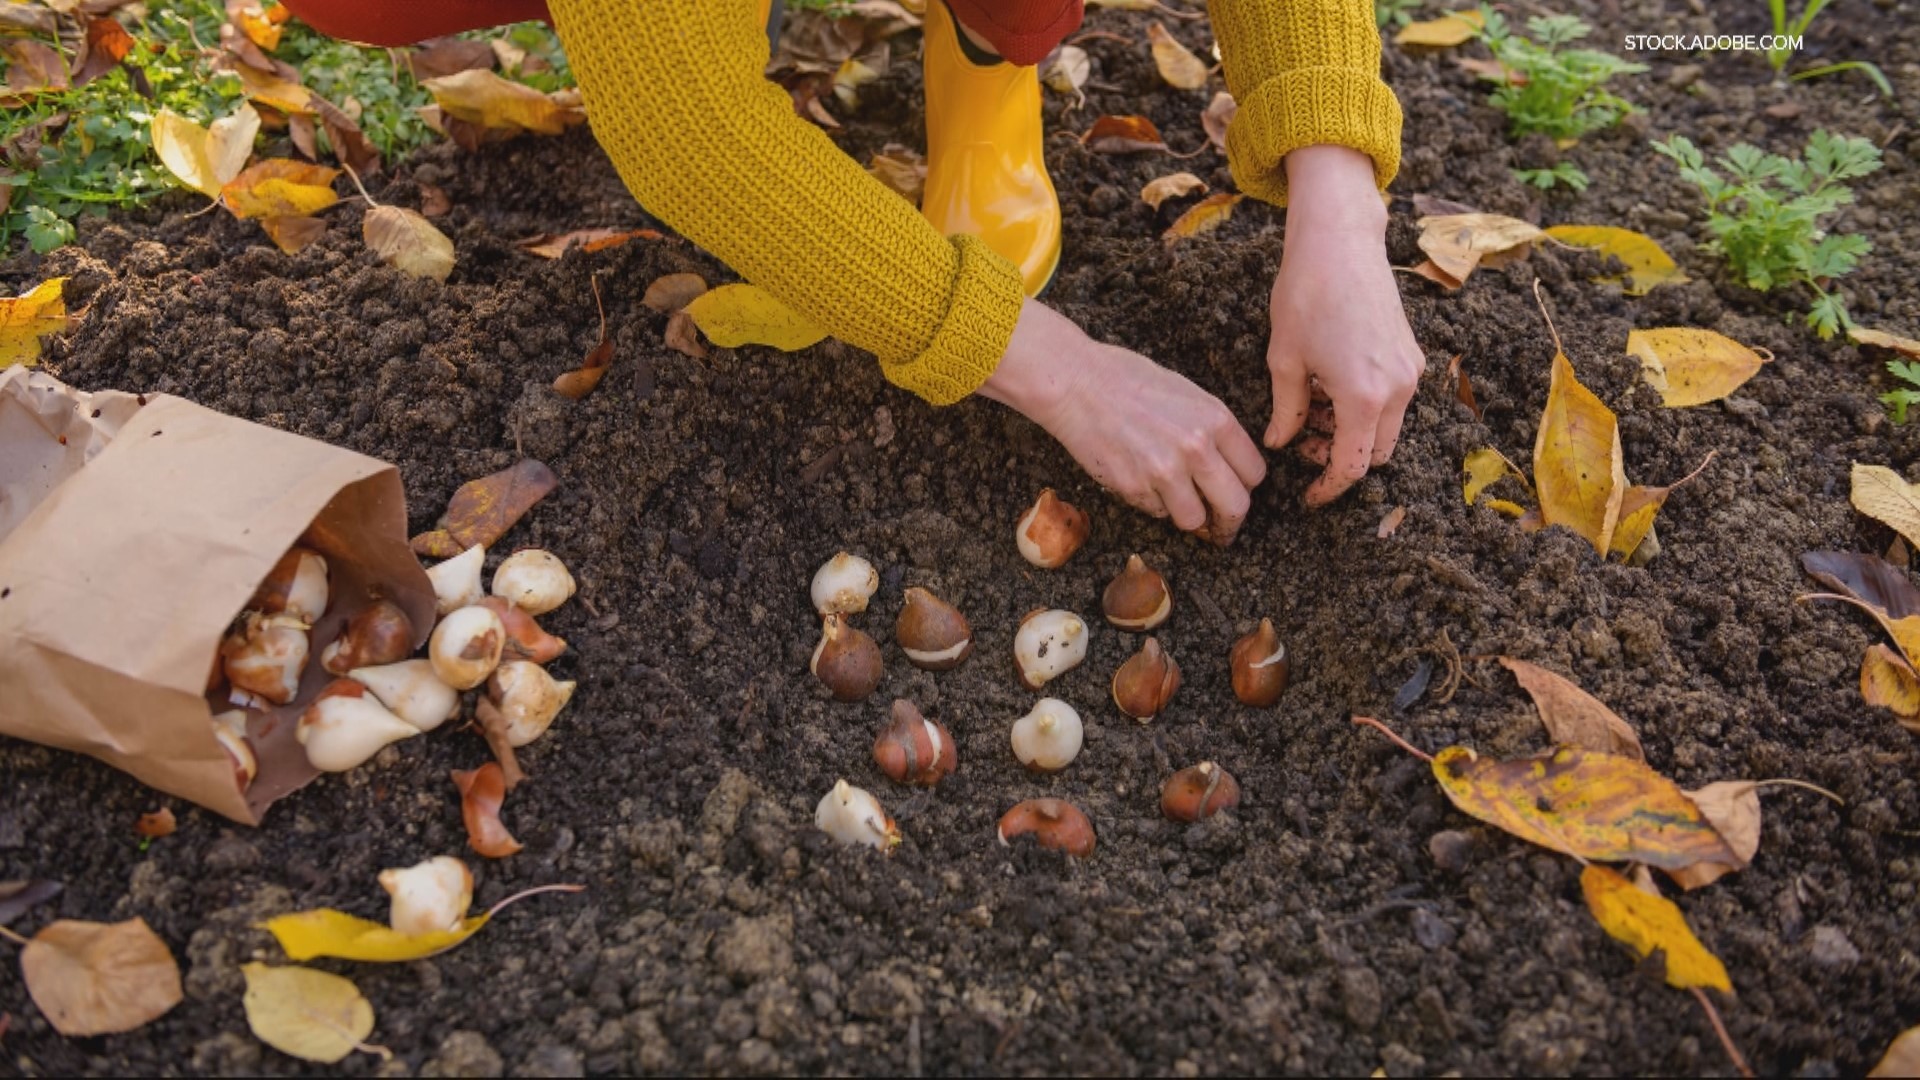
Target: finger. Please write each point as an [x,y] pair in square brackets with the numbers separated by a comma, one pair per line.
[1290,398]
[1352,452]
[1183,502]
[1241,455]
[1227,499]
[1387,435]
[1315,448]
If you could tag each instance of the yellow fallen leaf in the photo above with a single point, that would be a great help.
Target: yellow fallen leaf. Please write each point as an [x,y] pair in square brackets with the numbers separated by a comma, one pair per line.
[1202,217]
[1638,507]
[408,242]
[326,932]
[1163,188]
[272,90]
[849,78]
[309,1014]
[1577,466]
[1902,1057]
[259,29]
[1486,467]
[1881,494]
[1888,681]
[1449,30]
[1690,366]
[1901,345]
[1572,716]
[205,158]
[480,97]
[1733,806]
[280,187]
[93,978]
[1178,66]
[1645,922]
[1647,265]
[25,319]
[740,314]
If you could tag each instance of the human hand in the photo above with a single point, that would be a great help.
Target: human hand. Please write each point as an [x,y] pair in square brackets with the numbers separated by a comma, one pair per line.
[1145,433]
[1339,328]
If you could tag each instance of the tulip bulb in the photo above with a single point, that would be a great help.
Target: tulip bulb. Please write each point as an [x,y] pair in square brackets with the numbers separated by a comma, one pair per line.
[1054,823]
[345,726]
[456,582]
[843,585]
[525,639]
[266,656]
[846,660]
[534,579]
[1050,531]
[912,749]
[932,632]
[1259,667]
[1138,599]
[528,699]
[1048,645]
[466,647]
[852,816]
[1145,683]
[379,633]
[1048,738]
[1198,793]
[230,731]
[296,587]
[429,898]
[411,691]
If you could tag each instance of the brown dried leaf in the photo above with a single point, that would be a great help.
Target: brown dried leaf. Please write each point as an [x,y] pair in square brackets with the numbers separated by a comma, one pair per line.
[483,510]
[1572,716]
[1733,807]
[408,242]
[683,336]
[157,824]
[98,979]
[1178,66]
[1122,135]
[551,246]
[350,145]
[292,234]
[448,56]
[901,169]
[33,67]
[1175,186]
[1216,116]
[671,292]
[1907,347]
[579,382]
[482,791]
[1884,495]
[1867,578]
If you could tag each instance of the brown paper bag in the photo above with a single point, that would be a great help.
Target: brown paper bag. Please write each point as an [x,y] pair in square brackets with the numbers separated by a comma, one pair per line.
[132,535]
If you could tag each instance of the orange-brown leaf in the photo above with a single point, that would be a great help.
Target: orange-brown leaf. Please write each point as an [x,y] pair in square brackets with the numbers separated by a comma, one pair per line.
[671,292]
[1178,66]
[553,246]
[482,791]
[1577,460]
[280,187]
[579,382]
[483,510]
[1572,716]
[97,979]
[292,234]
[1203,217]
[1123,135]
[157,824]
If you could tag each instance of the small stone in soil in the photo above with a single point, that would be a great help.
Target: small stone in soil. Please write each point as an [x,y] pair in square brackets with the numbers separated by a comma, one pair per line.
[1451,850]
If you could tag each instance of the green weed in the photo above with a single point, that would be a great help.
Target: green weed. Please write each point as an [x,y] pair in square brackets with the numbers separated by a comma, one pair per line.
[1907,371]
[1548,179]
[1561,93]
[1394,12]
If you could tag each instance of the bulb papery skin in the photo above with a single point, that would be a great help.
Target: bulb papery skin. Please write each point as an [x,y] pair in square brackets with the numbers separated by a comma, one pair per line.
[1054,823]
[1050,531]
[851,815]
[297,587]
[1047,645]
[525,639]
[1048,738]
[380,633]
[1138,599]
[912,749]
[528,698]
[534,579]
[1146,682]
[230,731]
[411,691]
[345,726]
[1198,792]
[846,660]
[932,632]
[267,656]
[456,582]
[466,647]
[843,585]
[1259,667]
[430,897]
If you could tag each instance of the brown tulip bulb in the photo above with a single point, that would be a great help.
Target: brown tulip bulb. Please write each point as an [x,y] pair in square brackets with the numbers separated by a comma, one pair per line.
[1054,823]
[1145,683]
[846,660]
[1260,667]
[932,632]
[1050,531]
[379,634]
[1138,599]
[912,749]
[1198,793]
[296,587]
[525,640]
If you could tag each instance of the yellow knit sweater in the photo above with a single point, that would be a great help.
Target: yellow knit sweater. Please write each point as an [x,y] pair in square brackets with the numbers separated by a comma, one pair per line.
[676,94]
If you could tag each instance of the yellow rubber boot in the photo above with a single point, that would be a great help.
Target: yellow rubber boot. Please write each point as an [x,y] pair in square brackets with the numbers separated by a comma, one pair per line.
[986,169]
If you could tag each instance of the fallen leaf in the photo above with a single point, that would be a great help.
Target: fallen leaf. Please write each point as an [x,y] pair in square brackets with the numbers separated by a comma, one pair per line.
[1431,270]
[107,44]
[1733,806]
[448,56]
[1690,366]
[1202,217]
[1572,716]
[1458,243]
[1638,508]
[482,510]
[326,932]
[1902,1057]
[292,234]
[1904,346]
[590,240]
[280,187]
[1492,70]
[205,158]
[254,23]
[1881,494]
[513,58]
[1645,922]
[1584,803]
[482,790]
[1577,467]
[408,242]
[849,78]
[671,292]
[1068,71]
[486,99]
[579,382]
[1647,265]
[1867,578]
[1215,118]
[309,1014]
[19,897]
[901,169]
[1456,28]
[1484,468]
[1178,66]
[284,94]
[683,337]
[1390,523]
[98,979]
[157,824]
[1122,135]
[434,201]
[33,67]
[1888,681]
[740,314]
[25,319]
[1175,186]
[350,145]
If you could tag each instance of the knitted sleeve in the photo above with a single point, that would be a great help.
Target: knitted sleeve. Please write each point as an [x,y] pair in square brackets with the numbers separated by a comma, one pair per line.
[676,94]
[1304,72]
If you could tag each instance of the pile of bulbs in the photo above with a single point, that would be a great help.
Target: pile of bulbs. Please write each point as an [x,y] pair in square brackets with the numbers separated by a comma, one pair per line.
[381,693]
[912,749]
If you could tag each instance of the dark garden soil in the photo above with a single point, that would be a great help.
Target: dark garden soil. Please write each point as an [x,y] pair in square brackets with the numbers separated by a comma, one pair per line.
[1314,929]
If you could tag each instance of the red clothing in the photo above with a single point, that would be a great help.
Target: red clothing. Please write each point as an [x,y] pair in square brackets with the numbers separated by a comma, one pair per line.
[1022,31]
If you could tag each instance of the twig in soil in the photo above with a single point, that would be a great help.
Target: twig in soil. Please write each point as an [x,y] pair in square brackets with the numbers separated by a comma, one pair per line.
[535,891]
[13,937]
[1450,656]
[1368,721]
[1540,297]
[1784,781]
[1101,35]
[1720,1029]
[1374,911]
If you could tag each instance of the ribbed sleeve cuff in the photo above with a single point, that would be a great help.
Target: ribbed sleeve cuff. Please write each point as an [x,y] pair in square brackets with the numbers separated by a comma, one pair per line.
[1312,107]
[981,314]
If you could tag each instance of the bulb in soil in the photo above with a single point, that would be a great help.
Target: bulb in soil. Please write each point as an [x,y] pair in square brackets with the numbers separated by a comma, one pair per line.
[1048,645]
[430,897]
[932,632]
[1048,738]
[534,579]
[525,639]
[345,726]
[296,587]
[1138,599]
[1198,793]
[411,691]
[1146,682]
[1054,823]
[230,731]
[265,656]
[456,582]
[912,749]
[846,660]
[1050,531]
[852,816]
[1259,666]
[844,585]
[528,699]
[466,647]
[379,633]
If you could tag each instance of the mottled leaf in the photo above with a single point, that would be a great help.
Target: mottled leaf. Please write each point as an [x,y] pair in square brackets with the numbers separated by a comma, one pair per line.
[1645,922]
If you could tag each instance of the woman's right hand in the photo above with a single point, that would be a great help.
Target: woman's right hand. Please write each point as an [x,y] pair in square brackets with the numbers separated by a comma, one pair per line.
[1145,433]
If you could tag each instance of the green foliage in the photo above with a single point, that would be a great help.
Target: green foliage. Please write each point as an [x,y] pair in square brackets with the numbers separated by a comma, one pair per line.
[1897,400]
[1548,179]
[1785,26]
[1394,12]
[1764,214]
[1562,93]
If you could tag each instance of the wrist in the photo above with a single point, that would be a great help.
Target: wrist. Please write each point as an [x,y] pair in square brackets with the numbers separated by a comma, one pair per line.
[1035,374]
[1331,188]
